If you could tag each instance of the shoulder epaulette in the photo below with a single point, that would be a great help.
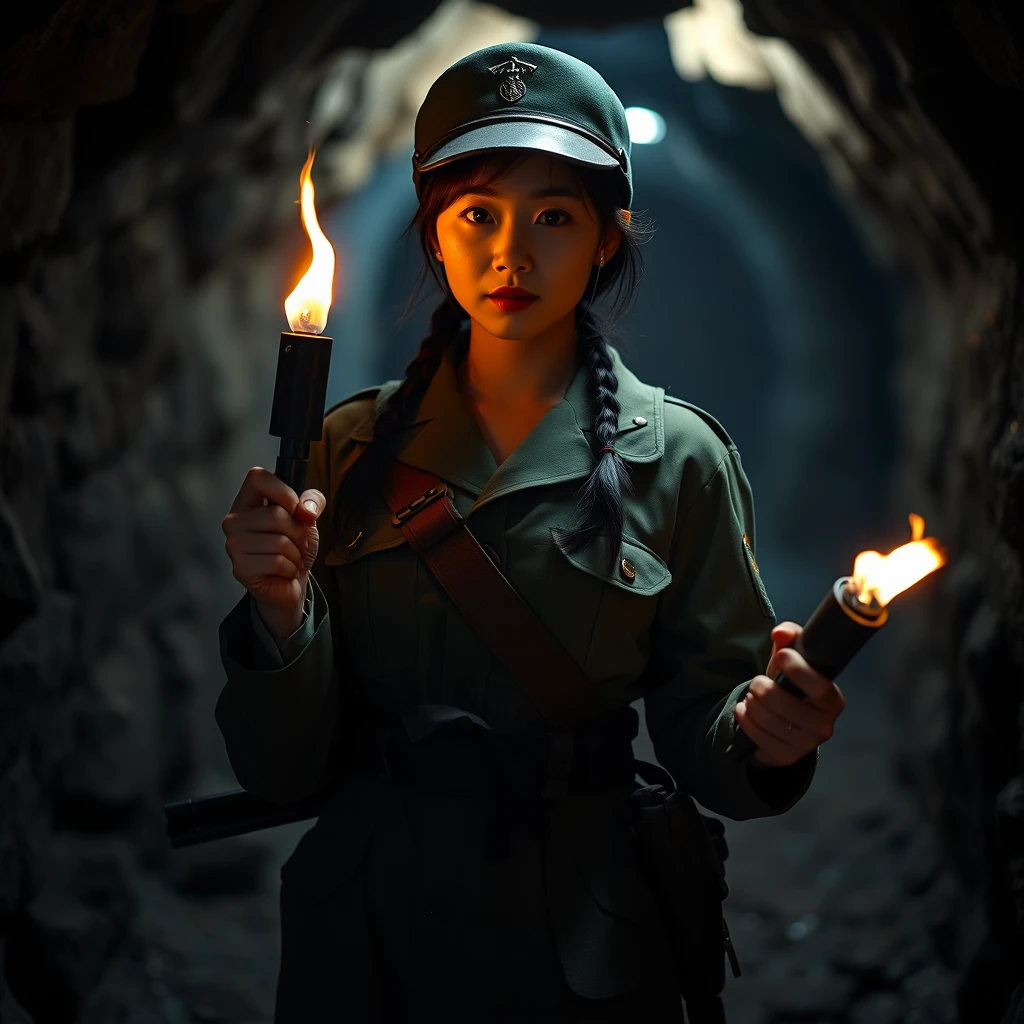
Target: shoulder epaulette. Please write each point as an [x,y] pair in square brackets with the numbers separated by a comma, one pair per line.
[710,420]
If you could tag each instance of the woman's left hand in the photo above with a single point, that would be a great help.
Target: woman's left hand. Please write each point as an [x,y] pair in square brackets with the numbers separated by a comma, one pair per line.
[786,728]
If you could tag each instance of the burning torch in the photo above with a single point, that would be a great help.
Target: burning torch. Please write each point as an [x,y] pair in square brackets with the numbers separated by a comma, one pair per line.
[297,414]
[304,356]
[853,611]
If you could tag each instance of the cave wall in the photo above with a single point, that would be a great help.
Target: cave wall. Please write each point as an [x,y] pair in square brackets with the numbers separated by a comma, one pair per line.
[147,166]
[928,103]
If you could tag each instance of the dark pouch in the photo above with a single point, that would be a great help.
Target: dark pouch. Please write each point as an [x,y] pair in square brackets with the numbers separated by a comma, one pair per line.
[681,852]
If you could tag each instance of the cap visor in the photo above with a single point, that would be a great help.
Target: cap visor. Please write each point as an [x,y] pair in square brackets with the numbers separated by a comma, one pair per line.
[516,134]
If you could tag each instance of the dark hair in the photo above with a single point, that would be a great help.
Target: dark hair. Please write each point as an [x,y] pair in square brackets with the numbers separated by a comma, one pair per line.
[599,500]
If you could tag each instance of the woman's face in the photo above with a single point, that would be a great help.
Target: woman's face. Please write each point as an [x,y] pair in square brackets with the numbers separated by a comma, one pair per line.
[532,230]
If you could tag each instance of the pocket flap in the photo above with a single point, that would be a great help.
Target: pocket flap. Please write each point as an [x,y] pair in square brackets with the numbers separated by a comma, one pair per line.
[637,568]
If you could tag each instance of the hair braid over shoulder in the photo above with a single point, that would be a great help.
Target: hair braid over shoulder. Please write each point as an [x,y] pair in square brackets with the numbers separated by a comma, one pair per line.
[599,500]
[363,479]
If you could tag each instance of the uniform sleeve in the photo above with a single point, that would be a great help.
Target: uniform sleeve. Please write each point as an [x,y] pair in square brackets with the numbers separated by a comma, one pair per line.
[279,711]
[291,645]
[712,635]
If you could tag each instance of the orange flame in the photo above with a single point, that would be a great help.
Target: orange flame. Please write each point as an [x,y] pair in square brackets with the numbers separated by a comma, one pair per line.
[308,305]
[880,578]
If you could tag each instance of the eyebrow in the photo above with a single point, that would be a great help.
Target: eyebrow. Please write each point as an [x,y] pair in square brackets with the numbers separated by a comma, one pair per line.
[543,193]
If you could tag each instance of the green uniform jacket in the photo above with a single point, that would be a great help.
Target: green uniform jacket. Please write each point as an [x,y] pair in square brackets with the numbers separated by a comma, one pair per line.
[687,632]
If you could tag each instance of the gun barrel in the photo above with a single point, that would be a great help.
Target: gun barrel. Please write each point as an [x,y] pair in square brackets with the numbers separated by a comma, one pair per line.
[234,813]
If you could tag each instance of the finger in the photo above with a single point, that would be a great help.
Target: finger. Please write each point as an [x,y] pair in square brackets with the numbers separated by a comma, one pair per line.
[311,546]
[786,632]
[790,744]
[821,691]
[310,505]
[783,635]
[271,544]
[256,566]
[272,519]
[775,750]
[260,483]
[784,710]
[276,590]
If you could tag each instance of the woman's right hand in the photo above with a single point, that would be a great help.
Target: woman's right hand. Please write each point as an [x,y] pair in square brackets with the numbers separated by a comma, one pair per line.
[272,541]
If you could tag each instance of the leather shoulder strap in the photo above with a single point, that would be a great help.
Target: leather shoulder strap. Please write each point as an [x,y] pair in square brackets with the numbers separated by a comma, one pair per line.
[422,509]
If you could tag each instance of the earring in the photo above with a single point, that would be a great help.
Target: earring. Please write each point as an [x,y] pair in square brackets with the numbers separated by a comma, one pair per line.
[438,253]
[602,258]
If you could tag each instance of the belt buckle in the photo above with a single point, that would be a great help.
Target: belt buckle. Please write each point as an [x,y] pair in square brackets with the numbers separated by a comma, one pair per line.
[406,512]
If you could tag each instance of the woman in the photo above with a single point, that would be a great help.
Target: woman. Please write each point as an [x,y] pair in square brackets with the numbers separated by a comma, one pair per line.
[429,889]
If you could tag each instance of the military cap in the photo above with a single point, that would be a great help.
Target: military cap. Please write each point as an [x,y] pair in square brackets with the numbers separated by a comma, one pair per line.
[523,96]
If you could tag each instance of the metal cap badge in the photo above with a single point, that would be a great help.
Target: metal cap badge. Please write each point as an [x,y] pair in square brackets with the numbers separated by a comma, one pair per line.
[523,96]
[513,87]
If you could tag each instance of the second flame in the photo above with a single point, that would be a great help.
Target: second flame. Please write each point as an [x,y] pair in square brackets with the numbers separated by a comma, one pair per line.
[881,577]
[309,303]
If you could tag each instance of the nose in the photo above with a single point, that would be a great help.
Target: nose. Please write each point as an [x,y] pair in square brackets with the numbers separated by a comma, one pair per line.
[511,251]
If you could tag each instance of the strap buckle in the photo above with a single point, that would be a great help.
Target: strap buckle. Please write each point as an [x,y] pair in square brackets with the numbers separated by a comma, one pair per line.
[406,512]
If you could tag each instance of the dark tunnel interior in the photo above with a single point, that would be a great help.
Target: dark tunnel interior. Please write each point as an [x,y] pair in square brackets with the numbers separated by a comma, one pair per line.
[834,274]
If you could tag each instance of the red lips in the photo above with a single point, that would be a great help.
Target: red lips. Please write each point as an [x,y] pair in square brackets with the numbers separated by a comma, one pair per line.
[511,300]
[505,292]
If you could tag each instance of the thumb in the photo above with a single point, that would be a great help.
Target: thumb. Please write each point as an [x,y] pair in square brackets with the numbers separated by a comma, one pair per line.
[311,504]
[783,635]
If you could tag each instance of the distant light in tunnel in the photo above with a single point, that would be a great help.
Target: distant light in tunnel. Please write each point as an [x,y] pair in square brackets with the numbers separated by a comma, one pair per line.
[645,126]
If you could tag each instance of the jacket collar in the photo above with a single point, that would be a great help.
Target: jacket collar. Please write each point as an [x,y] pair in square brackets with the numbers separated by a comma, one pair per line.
[443,437]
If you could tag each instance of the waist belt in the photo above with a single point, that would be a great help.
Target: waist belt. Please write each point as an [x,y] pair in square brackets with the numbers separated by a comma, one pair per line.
[446,750]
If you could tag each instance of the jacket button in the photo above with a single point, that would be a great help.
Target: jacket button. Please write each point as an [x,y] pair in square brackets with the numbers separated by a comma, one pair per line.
[640,421]
[628,569]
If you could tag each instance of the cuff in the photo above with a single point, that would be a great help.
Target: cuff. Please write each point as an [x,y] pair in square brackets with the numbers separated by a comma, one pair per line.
[292,646]
[781,786]
[742,790]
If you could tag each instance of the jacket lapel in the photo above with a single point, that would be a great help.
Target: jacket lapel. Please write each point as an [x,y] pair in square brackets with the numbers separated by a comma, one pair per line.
[563,445]
[443,436]
[447,441]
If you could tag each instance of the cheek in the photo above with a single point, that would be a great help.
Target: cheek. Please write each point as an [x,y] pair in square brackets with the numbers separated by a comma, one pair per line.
[464,253]
[464,274]
[572,251]
[567,268]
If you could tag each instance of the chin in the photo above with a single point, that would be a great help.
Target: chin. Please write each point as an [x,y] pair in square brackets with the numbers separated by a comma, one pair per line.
[509,328]
[514,326]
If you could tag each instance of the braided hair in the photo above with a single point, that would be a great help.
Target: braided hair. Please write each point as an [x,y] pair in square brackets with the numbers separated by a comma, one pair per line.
[365,476]
[599,502]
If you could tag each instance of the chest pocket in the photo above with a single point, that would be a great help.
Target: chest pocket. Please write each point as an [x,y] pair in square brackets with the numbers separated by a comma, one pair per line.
[614,607]
[638,569]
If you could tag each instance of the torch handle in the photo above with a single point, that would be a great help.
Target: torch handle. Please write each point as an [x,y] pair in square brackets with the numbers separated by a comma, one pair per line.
[300,391]
[292,461]
[828,643]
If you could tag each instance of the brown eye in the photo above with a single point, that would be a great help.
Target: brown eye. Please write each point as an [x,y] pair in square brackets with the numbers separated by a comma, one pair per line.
[554,213]
[470,214]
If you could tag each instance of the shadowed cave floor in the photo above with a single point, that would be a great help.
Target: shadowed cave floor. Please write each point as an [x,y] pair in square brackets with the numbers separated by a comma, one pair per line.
[838,909]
